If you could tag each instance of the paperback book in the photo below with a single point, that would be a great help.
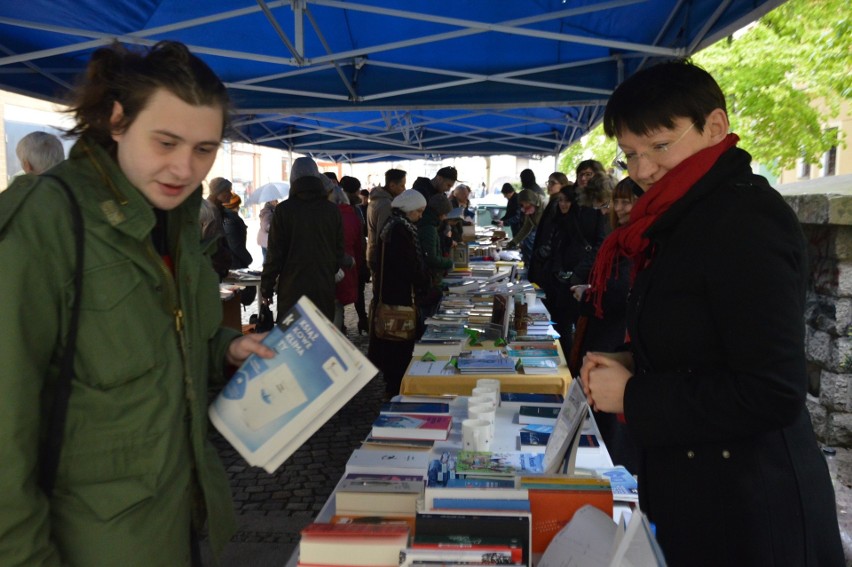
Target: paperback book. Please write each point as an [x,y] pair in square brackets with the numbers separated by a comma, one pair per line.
[516,400]
[539,365]
[270,407]
[415,407]
[542,415]
[506,463]
[412,426]
[407,463]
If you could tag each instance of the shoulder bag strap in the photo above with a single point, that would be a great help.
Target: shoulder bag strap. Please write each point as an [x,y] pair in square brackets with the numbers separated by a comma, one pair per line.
[50,450]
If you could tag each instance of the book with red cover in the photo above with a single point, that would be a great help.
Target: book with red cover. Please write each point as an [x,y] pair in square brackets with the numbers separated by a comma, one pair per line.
[412,426]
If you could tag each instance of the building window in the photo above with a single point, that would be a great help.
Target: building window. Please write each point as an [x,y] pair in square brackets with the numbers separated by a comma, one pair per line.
[829,159]
[804,169]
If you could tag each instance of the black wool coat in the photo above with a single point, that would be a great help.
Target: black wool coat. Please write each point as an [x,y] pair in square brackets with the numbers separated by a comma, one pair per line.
[730,469]
[305,248]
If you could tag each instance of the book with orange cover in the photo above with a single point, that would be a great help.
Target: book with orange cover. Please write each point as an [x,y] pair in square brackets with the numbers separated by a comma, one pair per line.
[552,509]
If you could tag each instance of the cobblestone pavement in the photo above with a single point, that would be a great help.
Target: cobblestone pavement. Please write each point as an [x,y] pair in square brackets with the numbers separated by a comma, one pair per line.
[273,508]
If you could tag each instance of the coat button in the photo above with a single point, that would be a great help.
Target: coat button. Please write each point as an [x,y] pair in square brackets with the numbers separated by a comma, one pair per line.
[726,454]
[690,454]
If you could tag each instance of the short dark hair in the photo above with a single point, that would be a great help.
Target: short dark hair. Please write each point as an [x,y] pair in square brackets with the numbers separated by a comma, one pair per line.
[350,184]
[654,97]
[507,188]
[331,175]
[527,178]
[593,164]
[394,175]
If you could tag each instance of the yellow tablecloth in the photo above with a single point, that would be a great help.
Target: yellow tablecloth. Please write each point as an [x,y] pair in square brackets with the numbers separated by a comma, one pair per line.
[462,384]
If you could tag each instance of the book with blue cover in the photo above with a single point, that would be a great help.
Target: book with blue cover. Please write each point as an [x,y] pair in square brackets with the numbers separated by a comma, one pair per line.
[625,488]
[415,407]
[270,407]
[412,426]
[515,400]
[539,365]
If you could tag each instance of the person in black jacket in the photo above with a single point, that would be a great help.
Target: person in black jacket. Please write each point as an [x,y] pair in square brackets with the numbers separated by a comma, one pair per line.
[713,388]
[236,232]
[401,274]
[513,217]
[565,259]
[305,244]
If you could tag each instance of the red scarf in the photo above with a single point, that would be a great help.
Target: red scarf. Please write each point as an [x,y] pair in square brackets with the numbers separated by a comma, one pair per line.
[630,239]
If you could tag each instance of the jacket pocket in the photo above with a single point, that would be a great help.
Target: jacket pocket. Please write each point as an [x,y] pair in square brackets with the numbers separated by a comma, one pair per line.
[122,322]
[118,476]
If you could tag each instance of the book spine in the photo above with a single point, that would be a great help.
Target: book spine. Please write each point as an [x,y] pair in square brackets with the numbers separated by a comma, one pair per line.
[480,504]
[493,556]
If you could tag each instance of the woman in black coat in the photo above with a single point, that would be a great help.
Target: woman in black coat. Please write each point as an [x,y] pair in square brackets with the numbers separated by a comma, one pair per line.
[565,259]
[401,273]
[713,389]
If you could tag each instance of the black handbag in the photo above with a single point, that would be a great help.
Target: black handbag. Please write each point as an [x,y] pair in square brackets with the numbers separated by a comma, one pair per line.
[265,320]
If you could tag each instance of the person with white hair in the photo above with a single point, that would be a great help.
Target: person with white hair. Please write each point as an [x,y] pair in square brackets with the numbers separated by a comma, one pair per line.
[305,243]
[399,251]
[39,151]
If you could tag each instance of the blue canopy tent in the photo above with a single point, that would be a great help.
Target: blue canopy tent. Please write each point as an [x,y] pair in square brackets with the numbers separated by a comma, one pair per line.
[384,79]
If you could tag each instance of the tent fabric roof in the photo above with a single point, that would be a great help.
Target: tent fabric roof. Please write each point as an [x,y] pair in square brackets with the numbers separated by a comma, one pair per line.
[384,79]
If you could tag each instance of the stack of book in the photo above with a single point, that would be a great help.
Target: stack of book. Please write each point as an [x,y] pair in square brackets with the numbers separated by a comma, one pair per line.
[459,498]
[515,400]
[383,496]
[388,462]
[473,538]
[406,420]
[442,340]
[505,464]
[539,415]
[535,357]
[485,362]
[369,545]
[554,499]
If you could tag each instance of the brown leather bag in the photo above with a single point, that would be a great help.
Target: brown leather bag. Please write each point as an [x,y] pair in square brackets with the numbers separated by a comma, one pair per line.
[393,322]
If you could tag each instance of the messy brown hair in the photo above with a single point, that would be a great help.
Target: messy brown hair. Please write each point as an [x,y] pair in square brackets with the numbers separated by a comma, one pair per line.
[118,74]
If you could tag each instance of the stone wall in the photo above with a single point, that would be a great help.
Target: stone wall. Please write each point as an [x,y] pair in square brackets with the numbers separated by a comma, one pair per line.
[824,207]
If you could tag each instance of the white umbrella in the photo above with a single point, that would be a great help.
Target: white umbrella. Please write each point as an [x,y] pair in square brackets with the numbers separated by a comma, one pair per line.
[275,191]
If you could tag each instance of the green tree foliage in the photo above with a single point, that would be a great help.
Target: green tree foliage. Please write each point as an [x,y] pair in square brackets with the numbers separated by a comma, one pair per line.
[772,74]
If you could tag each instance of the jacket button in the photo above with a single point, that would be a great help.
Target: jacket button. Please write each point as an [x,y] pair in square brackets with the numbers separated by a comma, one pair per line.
[690,454]
[726,454]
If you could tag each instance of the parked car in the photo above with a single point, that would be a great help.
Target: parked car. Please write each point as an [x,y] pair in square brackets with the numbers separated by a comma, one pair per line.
[490,208]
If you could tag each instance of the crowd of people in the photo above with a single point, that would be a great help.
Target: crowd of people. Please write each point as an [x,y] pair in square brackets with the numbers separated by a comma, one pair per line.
[699,389]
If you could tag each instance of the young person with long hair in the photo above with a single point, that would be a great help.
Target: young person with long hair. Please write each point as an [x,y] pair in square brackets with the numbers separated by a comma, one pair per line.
[136,475]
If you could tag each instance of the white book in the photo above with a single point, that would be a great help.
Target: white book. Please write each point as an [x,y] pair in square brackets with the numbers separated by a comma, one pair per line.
[566,431]
[407,463]
[270,407]
[592,539]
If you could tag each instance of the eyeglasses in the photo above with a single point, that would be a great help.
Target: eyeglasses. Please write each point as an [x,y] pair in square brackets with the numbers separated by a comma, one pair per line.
[625,160]
[552,182]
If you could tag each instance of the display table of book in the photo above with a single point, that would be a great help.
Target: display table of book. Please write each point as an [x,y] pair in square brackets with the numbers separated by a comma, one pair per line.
[451,477]
[424,378]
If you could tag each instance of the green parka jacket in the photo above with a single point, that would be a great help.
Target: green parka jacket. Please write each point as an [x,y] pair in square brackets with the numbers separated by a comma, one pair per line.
[136,468]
